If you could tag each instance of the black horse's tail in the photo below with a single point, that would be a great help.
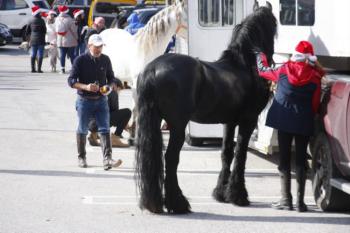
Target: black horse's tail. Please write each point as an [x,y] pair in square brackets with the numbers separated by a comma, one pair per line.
[149,146]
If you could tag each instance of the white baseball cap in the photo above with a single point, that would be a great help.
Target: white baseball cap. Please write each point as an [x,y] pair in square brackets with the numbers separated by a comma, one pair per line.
[95,40]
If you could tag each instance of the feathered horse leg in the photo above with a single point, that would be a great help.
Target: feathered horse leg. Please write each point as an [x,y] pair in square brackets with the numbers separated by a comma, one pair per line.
[175,201]
[226,160]
[236,191]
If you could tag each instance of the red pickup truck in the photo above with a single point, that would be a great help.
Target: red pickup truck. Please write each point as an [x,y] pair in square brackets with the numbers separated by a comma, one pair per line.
[330,147]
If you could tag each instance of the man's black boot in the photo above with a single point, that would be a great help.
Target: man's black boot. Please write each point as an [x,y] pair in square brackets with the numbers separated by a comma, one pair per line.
[32,63]
[81,142]
[106,147]
[40,63]
[285,203]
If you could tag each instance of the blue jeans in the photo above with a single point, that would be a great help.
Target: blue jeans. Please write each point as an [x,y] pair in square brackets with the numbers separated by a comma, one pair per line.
[63,53]
[88,109]
[80,49]
[37,50]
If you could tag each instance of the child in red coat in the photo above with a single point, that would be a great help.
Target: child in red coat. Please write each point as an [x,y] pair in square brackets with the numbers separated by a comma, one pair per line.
[292,113]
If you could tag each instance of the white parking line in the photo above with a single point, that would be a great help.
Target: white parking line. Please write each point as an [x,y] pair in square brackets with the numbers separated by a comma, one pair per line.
[181,172]
[194,200]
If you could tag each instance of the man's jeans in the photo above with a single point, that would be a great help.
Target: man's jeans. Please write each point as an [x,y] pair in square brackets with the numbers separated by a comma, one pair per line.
[80,49]
[93,109]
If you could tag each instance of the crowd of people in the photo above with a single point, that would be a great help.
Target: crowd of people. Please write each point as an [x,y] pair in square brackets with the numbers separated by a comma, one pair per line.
[98,110]
[65,36]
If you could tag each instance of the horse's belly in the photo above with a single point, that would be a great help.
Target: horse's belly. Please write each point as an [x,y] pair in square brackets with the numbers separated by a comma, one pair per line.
[222,116]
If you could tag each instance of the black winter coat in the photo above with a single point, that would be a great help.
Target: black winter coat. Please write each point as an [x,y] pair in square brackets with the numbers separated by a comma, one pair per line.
[37,30]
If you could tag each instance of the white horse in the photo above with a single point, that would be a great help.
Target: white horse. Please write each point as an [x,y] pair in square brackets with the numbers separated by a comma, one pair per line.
[129,54]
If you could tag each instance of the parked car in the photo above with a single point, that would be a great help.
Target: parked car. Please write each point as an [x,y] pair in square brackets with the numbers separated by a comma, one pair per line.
[108,9]
[5,35]
[17,13]
[144,13]
[330,147]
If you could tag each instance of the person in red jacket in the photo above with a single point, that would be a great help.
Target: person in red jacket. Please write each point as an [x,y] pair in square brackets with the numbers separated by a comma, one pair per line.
[292,113]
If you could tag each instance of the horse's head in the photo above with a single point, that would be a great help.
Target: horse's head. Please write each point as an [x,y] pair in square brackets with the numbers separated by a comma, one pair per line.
[256,32]
[181,17]
[268,24]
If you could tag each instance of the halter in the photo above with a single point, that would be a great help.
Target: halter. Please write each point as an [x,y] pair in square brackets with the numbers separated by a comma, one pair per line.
[180,25]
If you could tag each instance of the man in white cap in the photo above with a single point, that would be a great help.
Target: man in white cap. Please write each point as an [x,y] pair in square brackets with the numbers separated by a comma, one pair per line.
[92,76]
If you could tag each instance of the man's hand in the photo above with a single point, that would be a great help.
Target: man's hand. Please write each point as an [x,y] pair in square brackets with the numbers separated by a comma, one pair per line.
[92,87]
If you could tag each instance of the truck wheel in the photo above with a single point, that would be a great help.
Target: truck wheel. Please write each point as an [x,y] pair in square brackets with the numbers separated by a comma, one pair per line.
[193,141]
[327,197]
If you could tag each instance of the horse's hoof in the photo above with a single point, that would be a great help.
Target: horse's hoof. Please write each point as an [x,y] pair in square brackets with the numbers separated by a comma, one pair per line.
[178,205]
[153,208]
[241,202]
[237,198]
[218,194]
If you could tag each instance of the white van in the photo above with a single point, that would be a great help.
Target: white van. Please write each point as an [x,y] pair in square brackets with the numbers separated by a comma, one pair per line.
[17,13]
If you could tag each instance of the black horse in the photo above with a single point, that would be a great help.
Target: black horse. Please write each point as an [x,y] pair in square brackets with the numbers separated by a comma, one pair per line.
[180,88]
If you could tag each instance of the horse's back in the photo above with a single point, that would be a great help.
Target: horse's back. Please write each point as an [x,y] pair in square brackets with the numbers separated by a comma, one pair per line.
[206,92]
[174,79]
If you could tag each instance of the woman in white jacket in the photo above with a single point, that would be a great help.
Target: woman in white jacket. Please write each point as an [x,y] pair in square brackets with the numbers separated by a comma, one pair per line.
[67,36]
[51,39]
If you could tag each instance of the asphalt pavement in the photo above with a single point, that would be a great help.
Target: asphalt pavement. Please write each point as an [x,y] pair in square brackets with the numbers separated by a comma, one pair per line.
[42,190]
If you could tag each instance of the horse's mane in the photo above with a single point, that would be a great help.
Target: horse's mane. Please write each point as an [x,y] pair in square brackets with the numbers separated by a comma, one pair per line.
[159,26]
[255,32]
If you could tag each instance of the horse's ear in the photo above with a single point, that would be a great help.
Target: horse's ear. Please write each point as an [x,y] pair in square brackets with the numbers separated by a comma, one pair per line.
[269,5]
[256,5]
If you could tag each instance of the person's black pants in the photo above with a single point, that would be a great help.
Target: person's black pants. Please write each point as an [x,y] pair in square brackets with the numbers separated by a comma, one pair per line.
[285,145]
[118,118]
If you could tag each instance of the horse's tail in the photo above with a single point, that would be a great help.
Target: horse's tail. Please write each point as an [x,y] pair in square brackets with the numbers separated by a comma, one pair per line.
[149,145]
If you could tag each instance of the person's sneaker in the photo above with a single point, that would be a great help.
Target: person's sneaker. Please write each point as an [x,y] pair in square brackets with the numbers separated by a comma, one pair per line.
[93,139]
[282,205]
[109,163]
[82,162]
[62,71]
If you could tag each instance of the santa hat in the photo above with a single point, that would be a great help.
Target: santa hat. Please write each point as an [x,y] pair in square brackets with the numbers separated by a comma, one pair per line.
[52,12]
[35,10]
[63,9]
[305,47]
[77,12]
[304,50]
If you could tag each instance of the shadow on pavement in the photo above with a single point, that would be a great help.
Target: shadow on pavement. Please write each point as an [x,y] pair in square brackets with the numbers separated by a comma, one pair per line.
[63,173]
[272,219]
[12,50]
